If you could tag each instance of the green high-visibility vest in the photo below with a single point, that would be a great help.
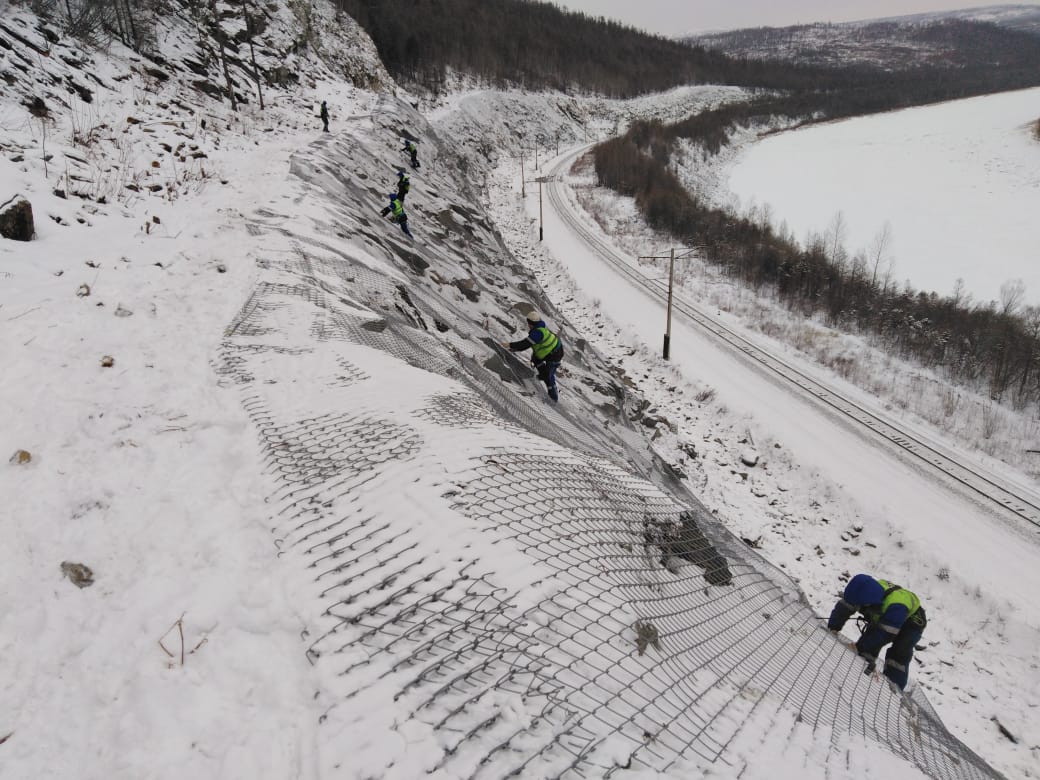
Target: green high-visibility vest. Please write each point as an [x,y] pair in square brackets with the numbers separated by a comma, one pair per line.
[894,594]
[548,343]
[398,208]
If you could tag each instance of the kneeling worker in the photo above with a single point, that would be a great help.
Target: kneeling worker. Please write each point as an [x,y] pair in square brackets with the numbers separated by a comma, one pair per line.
[893,614]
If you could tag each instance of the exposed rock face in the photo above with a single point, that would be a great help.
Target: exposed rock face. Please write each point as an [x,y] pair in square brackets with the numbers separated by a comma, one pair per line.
[16,219]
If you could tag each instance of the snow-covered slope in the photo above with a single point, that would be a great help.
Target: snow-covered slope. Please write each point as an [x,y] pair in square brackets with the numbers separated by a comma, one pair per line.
[332,527]
[1015,17]
[894,42]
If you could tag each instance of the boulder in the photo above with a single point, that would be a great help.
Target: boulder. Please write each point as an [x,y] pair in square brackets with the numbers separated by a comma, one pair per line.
[16,219]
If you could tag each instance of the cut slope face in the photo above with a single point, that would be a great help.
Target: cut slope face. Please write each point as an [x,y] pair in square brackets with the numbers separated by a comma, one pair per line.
[494,586]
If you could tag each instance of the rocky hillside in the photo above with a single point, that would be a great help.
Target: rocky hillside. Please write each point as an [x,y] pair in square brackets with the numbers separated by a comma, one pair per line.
[983,36]
[110,122]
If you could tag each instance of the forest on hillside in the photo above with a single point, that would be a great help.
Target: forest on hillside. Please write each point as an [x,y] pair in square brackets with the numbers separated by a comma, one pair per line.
[540,46]
[889,44]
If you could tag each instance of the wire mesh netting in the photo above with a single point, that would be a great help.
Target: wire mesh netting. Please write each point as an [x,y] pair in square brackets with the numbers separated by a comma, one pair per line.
[643,634]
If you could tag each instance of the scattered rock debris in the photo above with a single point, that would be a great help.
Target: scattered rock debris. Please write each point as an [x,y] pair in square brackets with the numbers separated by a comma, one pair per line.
[21,457]
[80,574]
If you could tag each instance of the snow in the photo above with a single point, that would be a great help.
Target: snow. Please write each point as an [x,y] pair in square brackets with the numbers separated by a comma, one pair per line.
[958,182]
[314,546]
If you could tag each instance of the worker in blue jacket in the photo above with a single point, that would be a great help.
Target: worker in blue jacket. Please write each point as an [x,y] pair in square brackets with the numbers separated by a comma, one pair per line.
[546,351]
[892,615]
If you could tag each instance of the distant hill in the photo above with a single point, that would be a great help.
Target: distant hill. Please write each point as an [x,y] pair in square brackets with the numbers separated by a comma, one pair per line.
[972,37]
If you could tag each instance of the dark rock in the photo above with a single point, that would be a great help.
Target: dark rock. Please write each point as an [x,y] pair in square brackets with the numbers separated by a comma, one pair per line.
[16,219]
[86,95]
[413,259]
[79,574]
[468,287]
[38,108]
[684,539]
[208,88]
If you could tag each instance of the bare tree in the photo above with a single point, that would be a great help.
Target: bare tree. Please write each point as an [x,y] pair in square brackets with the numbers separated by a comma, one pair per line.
[879,251]
[253,28]
[1011,293]
[835,236]
[218,32]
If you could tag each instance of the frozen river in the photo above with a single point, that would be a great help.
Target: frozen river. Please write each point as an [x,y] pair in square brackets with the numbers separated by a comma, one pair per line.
[958,182]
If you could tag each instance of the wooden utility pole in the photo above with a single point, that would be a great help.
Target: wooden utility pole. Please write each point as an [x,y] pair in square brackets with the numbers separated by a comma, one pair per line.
[541,232]
[668,317]
[671,258]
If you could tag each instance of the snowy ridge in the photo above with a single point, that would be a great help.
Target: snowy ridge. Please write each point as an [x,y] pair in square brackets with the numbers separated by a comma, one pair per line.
[893,42]
[510,599]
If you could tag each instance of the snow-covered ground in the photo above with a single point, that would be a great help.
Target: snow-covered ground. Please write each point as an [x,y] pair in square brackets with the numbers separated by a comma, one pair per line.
[280,471]
[959,183]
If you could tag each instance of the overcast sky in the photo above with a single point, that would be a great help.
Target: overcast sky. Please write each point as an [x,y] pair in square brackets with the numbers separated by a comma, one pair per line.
[676,17]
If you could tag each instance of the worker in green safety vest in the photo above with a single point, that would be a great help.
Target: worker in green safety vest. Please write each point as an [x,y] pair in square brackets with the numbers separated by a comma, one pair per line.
[412,150]
[546,349]
[892,614]
[396,211]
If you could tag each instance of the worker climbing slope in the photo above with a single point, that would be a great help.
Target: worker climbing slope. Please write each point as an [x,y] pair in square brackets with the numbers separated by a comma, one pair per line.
[546,351]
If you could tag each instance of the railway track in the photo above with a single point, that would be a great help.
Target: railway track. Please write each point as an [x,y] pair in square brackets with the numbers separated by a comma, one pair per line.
[931,457]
